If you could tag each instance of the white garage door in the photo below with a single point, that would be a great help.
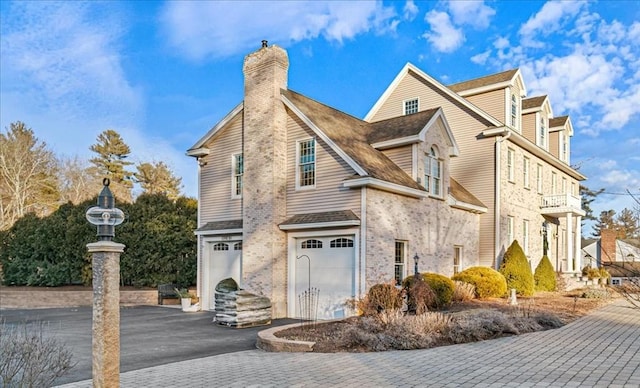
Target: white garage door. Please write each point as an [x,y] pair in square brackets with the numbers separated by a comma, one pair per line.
[224,262]
[329,268]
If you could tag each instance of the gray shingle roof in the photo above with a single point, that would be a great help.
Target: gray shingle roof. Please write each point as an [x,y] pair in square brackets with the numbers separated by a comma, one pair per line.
[483,81]
[399,127]
[463,195]
[558,121]
[324,217]
[533,102]
[350,134]
[220,225]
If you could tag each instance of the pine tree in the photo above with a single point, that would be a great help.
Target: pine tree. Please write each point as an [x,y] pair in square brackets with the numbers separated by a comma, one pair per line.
[627,224]
[157,178]
[111,163]
[605,221]
[587,196]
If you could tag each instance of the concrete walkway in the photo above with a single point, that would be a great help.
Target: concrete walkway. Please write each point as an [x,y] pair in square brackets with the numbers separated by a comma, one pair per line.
[599,350]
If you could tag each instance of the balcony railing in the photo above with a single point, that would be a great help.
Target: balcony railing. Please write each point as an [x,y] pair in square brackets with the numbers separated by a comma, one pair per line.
[561,201]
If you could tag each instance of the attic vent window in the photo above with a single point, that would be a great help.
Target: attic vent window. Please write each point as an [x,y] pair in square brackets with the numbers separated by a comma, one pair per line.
[411,106]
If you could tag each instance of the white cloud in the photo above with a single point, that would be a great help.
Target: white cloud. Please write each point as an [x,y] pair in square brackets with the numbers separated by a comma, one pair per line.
[410,10]
[473,13]
[442,35]
[548,20]
[481,58]
[220,29]
[625,178]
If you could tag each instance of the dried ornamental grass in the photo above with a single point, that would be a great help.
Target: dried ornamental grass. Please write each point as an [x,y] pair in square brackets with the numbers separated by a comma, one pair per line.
[463,292]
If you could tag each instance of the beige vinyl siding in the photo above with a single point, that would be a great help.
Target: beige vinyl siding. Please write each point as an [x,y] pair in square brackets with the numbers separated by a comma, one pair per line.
[331,171]
[491,102]
[554,143]
[474,168]
[215,199]
[529,127]
[402,156]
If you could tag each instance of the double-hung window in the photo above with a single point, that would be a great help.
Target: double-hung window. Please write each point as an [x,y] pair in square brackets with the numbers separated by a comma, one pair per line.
[399,268]
[514,111]
[539,178]
[542,134]
[411,106]
[554,183]
[510,237]
[306,164]
[510,165]
[525,236]
[433,173]
[525,172]
[238,171]
[457,259]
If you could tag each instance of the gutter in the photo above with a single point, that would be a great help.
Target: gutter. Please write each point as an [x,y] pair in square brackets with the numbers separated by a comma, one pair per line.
[504,134]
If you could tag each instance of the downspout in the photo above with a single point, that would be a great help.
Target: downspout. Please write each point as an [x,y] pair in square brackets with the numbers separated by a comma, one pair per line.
[496,213]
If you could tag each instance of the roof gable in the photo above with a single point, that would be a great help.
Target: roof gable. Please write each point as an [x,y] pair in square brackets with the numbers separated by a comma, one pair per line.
[537,104]
[216,128]
[561,123]
[407,129]
[347,136]
[456,98]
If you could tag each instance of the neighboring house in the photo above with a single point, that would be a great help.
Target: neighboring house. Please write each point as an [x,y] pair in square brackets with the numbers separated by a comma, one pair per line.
[621,257]
[295,194]
[514,156]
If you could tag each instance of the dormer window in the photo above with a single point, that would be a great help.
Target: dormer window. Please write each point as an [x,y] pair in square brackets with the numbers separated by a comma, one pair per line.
[411,106]
[564,147]
[542,134]
[433,173]
[514,111]
[238,171]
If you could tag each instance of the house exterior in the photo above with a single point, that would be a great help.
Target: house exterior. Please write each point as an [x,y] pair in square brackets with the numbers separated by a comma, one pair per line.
[514,157]
[619,256]
[294,194]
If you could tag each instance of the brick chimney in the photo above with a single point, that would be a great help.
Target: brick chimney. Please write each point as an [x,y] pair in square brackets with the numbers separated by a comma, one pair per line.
[607,245]
[264,256]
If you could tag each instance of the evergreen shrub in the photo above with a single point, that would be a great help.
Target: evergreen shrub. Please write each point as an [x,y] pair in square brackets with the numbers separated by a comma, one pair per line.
[440,284]
[517,271]
[545,276]
[488,282]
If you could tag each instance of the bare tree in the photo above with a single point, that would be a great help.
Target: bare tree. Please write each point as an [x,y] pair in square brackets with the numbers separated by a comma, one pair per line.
[27,175]
[157,178]
[77,184]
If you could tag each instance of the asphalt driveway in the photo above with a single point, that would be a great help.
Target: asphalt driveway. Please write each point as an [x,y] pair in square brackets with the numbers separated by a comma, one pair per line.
[149,335]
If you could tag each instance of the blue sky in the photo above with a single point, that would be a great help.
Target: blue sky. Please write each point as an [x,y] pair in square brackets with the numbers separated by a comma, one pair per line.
[163,73]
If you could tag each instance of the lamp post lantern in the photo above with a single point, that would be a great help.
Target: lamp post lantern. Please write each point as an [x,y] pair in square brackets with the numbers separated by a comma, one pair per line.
[416,258]
[106,291]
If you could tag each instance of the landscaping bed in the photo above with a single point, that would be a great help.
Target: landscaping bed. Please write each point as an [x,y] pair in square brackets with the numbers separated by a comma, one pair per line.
[460,322]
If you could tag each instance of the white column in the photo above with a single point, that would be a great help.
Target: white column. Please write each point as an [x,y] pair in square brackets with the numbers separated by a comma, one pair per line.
[569,241]
[578,251]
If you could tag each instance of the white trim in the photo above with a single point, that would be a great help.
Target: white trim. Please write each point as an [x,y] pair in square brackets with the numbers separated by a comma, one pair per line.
[385,186]
[404,72]
[235,111]
[358,169]
[217,232]
[198,152]
[317,225]
[414,163]
[404,105]
[362,284]
[291,260]
[451,201]
[396,142]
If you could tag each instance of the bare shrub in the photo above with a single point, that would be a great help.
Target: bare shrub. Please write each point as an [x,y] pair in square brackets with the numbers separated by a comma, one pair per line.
[420,296]
[30,358]
[630,290]
[463,292]
[480,325]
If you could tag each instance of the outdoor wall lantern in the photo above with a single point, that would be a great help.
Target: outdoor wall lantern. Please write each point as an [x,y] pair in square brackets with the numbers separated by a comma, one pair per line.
[416,258]
[105,216]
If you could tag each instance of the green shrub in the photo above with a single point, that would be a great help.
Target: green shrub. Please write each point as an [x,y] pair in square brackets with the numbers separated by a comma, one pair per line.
[440,284]
[488,282]
[516,270]
[381,297]
[545,276]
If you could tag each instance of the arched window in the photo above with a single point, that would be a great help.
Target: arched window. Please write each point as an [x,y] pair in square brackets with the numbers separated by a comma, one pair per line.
[433,173]
[311,244]
[237,246]
[341,243]
[514,111]
[221,247]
